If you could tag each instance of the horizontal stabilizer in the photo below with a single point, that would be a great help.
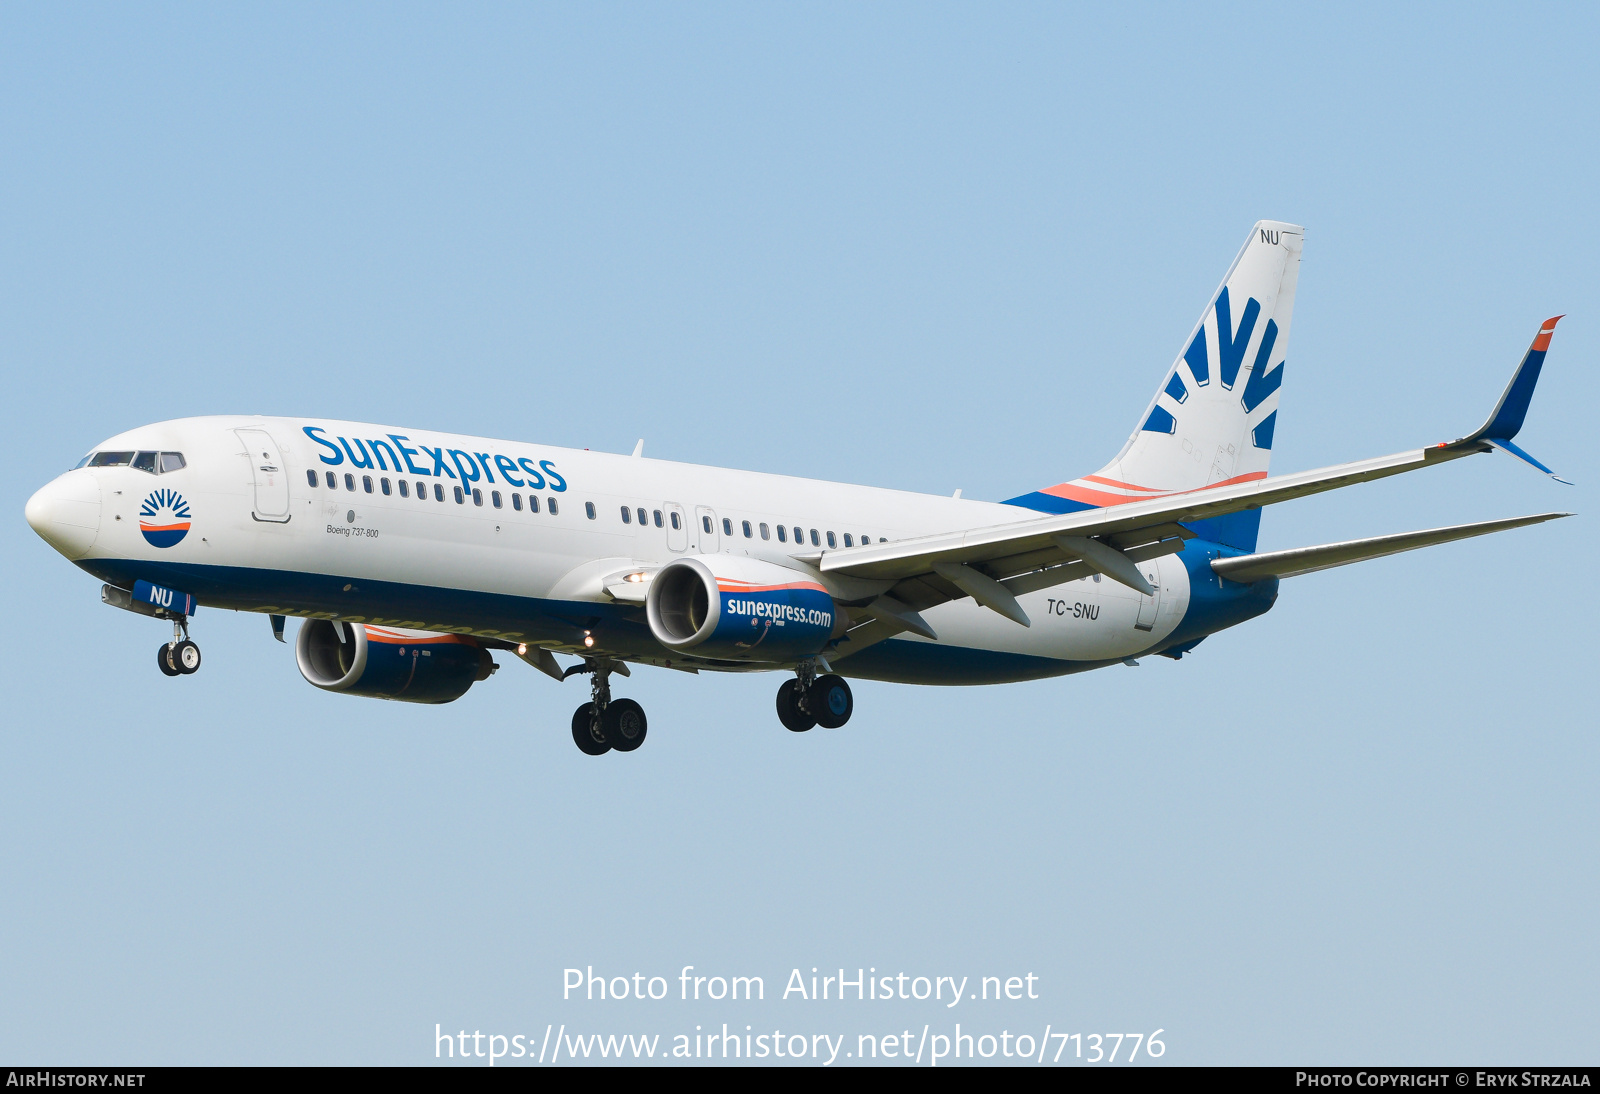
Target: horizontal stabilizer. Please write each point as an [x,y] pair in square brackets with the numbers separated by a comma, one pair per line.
[1305,560]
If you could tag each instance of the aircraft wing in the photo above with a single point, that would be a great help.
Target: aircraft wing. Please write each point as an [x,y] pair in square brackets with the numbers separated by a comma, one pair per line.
[997,563]
[997,545]
[1307,560]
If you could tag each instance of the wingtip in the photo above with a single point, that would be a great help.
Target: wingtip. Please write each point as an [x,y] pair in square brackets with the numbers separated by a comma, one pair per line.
[1541,342]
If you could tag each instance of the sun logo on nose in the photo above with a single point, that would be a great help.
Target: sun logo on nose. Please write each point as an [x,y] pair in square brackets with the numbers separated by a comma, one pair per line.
[164,518]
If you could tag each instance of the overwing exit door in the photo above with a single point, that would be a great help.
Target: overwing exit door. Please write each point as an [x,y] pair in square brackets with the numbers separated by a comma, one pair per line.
[677,527]
[271,478]
[706,532]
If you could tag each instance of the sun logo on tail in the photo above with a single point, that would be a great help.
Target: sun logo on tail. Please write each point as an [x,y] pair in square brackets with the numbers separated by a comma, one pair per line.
[164,518]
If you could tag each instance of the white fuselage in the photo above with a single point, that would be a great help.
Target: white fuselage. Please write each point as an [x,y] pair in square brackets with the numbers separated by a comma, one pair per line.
[262,537]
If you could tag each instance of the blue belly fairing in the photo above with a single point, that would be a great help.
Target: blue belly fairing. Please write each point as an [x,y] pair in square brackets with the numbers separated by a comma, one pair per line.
[622,629]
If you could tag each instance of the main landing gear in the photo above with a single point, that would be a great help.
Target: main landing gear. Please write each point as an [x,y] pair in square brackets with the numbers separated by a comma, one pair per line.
[811,700]
[179,657]
[605,724]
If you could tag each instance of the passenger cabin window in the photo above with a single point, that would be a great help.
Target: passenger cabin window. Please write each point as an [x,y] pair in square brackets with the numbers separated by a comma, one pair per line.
[172,461]
[494,496]
[783,534]
[831,541]
[516,502]
[311,477]
[533,503]
[145,461]
[438,491]
[847,540]
[405,489]
[588,509]
[764,533]
[705,522]
[554,510]
[745,525]
[111,459]
[727,526]
[627,515]
[799,536]
[350,482]
[675,521]
[384,483]
[366,483]
[643,522]
[815,542]
[333,483]
[477,496]
[422,491]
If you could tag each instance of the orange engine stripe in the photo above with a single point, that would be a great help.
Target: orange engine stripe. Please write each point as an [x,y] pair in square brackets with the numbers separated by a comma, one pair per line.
[378,634]
[143,527]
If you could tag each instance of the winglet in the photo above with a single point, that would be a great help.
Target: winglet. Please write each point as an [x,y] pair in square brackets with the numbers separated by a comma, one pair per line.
[1513,405]
[1506,420]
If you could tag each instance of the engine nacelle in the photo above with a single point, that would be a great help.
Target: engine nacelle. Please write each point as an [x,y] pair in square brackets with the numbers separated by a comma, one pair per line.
[388,663]
[740,609]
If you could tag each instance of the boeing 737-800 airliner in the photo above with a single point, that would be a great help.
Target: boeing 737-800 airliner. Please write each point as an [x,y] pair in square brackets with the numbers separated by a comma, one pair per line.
[411,555]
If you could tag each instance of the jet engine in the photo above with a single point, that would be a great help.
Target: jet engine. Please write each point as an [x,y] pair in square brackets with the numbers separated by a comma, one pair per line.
[741,609]
[389,663]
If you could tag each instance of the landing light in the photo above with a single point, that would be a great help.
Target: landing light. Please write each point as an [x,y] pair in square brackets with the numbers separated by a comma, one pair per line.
[522,649]
[588,640]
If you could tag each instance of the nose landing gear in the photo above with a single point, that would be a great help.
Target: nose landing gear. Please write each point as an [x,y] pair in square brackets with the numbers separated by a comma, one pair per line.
[811,700]
[604,724]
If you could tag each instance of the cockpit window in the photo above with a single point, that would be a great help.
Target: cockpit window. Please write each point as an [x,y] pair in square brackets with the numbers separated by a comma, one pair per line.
[156,463]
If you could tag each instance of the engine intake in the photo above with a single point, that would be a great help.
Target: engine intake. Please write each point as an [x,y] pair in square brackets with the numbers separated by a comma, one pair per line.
[740,609]
[386,663]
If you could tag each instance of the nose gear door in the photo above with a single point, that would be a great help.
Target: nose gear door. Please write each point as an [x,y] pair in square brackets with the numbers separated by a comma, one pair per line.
[271,479]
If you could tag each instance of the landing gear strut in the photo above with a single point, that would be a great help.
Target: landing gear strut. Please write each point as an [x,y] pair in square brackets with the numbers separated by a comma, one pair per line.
[179,657]
[603,723]
[811,700]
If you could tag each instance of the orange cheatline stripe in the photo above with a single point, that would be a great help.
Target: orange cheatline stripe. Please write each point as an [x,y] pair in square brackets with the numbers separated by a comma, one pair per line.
[1124,485]
[1090,497]
[1100,498]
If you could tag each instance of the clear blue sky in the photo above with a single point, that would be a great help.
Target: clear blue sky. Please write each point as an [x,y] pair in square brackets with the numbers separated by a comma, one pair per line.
[913,246]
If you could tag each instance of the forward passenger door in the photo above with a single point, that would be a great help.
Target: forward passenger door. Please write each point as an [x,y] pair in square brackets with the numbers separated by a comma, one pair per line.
[271,477]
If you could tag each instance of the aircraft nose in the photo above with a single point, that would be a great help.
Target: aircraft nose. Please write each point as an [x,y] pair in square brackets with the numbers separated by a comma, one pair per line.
[66,513]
